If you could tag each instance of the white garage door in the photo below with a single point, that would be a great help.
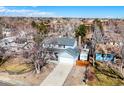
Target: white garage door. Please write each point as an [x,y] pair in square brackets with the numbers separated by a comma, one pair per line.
[66,60]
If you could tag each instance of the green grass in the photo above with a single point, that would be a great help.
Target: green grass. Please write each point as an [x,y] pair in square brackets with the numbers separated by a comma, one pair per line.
[103,80]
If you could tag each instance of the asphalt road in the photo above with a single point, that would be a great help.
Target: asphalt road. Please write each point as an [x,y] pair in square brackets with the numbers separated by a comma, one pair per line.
[5,84]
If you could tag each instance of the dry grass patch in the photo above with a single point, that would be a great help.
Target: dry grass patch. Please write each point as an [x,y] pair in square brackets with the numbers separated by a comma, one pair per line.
[16,66]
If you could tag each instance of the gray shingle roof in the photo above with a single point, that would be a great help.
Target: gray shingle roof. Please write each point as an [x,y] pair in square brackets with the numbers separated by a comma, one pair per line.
[74,52]
[60,41]
[65,41]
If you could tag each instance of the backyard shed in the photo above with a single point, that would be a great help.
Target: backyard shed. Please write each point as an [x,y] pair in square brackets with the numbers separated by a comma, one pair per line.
[104,57]
[84,54]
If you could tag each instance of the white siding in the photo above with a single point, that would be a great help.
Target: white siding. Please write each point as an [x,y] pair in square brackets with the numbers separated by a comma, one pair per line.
[66,60]
[64,57]
[83,56]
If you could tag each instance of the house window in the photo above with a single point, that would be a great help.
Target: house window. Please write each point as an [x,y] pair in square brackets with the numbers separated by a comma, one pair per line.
[64,46]
[5,43]
[59,45]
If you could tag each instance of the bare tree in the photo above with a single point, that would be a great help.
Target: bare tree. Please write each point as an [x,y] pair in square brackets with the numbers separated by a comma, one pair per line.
[98,36]
[39,58]
[122,59]
[39,54]
[119,27]
[1,35]
[122,51]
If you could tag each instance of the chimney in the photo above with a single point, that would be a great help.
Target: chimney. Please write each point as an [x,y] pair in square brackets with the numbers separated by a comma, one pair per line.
[79,42]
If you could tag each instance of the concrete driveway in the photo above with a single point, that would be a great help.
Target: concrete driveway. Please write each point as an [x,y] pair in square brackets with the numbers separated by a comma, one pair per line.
[58,75]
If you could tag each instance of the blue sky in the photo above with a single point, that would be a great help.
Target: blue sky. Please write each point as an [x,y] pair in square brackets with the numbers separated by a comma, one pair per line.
[64,11]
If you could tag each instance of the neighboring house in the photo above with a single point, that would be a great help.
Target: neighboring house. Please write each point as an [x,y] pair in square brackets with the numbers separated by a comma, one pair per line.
[7,42]
[11,44]
[6,32]
[60,43]
[68,55]
[27,46]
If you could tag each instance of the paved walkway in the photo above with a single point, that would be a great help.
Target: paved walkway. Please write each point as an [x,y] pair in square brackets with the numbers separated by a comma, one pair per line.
[58,75]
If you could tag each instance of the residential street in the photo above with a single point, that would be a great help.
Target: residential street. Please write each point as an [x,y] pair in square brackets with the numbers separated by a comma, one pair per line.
[5,84]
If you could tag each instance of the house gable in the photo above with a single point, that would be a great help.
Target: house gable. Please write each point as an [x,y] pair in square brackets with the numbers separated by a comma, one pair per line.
[70,53]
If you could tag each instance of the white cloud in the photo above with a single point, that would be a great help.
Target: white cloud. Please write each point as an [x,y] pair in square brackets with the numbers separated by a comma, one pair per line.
[2,9]
[41,13]
[23,12]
